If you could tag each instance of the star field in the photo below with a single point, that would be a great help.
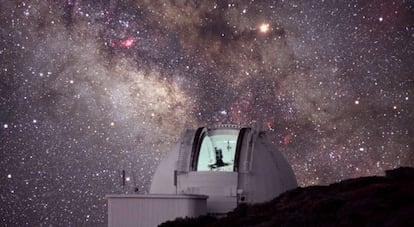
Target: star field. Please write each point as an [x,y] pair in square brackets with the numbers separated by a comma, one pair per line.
[90,88]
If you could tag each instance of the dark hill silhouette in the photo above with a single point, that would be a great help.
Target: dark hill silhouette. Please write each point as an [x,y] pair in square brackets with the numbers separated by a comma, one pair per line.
[367,201]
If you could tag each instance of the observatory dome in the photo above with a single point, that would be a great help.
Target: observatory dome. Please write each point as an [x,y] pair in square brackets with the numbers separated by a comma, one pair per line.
[229,164]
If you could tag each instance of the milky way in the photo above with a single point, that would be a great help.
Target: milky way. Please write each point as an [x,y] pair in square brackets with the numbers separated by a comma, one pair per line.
[90,88]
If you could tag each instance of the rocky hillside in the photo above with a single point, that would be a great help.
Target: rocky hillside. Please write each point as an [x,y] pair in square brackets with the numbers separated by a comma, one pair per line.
[367,201]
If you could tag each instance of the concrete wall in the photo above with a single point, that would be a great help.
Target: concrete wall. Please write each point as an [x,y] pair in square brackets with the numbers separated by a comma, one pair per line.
[220,187]
[152,210]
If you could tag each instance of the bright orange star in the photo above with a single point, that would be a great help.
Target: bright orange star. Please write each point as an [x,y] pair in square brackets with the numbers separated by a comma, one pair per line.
[264,28]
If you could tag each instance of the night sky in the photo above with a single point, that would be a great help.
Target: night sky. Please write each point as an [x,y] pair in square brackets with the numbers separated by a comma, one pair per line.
[90,88]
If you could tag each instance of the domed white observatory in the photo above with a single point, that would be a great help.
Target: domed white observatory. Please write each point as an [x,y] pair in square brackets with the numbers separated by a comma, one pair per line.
[213,170]
[229,164]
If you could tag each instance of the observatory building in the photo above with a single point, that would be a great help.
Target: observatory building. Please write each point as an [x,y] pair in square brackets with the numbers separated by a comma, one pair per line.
[210,170]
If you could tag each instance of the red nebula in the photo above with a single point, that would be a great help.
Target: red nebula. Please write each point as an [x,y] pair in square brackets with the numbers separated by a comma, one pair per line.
[127,43]
[269,125]
[287,139]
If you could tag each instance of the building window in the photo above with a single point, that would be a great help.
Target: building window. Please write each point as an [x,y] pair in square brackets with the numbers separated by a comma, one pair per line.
[217,150]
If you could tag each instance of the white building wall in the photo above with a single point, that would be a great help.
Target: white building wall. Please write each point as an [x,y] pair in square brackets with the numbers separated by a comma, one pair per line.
[221,188]
[152,210]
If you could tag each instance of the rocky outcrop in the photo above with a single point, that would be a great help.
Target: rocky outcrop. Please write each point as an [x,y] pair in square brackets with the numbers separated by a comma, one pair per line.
[367,201]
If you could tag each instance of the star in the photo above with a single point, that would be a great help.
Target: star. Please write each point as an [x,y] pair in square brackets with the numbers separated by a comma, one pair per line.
[264,28]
